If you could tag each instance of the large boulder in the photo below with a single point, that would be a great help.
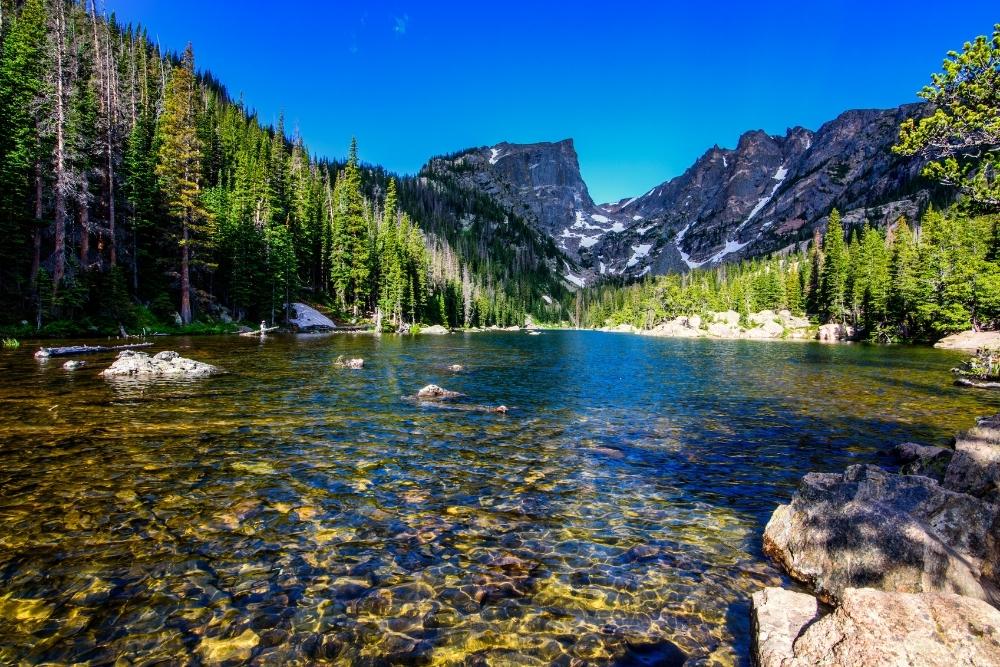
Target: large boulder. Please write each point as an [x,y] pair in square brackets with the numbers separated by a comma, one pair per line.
[307,318]
[436,329]
[874,628]
[834,332]
[131,363]
[970,340]
[768,329]
[871,528]
[975,467]
[679,327]
[730,317]
[723,330]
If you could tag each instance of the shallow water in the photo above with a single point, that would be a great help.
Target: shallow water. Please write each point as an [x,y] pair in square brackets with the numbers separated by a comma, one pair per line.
[294,512]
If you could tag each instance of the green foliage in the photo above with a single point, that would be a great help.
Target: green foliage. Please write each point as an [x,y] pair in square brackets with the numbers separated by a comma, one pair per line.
[211,208]
[890,286]
[961,138]
[983,365]
[833,276]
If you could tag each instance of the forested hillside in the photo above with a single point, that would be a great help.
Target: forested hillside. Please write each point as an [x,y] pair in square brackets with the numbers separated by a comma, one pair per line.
[135,192]
[914,280]
[891,285]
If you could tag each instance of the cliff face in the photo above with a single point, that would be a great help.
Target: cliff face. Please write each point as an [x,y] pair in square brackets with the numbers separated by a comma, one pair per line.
[767,194]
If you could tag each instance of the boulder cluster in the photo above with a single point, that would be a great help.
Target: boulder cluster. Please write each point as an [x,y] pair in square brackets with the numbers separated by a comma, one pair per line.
[131,363]
[767,324]
[910,561]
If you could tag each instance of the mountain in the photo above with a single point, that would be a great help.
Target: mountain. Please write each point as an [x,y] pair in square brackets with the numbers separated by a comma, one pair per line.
[768,194]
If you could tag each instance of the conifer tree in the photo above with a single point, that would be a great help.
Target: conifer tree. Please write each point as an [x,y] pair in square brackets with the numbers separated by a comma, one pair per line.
[833,277]
[178,170]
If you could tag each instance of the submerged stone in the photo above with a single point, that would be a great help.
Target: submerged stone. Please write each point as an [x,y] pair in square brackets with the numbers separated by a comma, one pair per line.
[216,651]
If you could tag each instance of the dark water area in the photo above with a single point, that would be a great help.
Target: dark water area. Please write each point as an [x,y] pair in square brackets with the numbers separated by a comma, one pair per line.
[293,512]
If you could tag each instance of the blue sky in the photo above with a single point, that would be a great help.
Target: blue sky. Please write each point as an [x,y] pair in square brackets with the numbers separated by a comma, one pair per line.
[643,88]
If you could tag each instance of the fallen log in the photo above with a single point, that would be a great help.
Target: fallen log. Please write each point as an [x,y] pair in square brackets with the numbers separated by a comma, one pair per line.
[977,384]
[258,332]
[72,350]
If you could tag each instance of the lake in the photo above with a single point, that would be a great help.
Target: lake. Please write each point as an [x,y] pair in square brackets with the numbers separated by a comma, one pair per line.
[292,511]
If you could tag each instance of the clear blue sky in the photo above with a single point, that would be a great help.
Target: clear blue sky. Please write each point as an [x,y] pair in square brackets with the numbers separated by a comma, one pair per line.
[644,88]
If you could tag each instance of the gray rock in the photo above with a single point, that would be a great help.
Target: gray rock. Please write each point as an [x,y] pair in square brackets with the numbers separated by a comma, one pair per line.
[354,364]
[975,468]
[870,528]
[778,617]
[834,332]
[456,368]
[874,628]
[432,392]
[73,364]
[434,330]
[165,364]
[768,194]
[307,318]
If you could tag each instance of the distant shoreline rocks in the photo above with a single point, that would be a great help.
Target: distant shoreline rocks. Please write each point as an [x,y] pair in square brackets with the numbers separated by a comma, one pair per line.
[729,325]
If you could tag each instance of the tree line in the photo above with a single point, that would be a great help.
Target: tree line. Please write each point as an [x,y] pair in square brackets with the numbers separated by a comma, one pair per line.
[134,191]
[891,285]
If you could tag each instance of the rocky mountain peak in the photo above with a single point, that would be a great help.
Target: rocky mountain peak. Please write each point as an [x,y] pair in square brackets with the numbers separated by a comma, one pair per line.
[768,193]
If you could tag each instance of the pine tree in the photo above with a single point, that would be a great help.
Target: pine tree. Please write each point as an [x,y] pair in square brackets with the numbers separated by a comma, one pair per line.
[21,84]
[834,272]
[813,296]
[178,169]
[355,233]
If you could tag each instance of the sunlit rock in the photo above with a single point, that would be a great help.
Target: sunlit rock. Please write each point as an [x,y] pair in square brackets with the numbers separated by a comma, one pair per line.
[873,627]
[870,528]
[432,392]
[131,363]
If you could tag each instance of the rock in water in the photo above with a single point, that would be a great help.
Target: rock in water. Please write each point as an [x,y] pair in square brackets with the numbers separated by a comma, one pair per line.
[354,364]
[215,651]
[436,329]
[870,528]
[432,392]
[165,364]
[307,318]
[456,368]
[74,364]
[874,628]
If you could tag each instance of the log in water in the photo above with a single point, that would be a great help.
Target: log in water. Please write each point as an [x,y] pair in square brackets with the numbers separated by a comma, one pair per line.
[73,350]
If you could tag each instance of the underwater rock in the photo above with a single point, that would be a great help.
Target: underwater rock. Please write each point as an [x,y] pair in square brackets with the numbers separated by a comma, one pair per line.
[873,627]
[456,368]
[165,364]
[74,364]
[432,392]
[236,649]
